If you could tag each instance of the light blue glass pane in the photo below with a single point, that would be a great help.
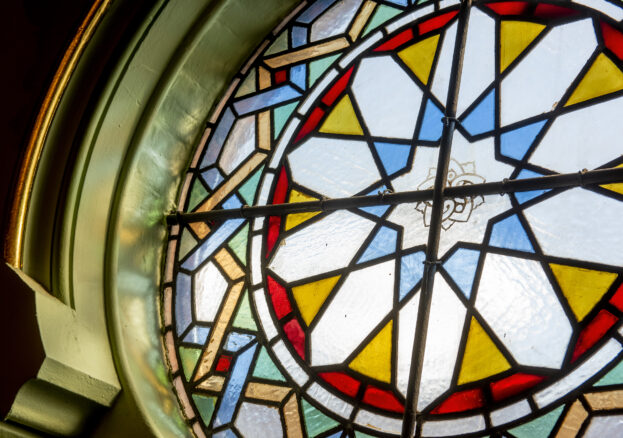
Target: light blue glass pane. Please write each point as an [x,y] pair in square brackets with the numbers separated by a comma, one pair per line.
[212,177]
[266,99]
[336,435]
[481,119]
[218,138]
[227,433]
[315,10]
[539,428]
[234,387]
[509,233]
[526,196]
[614,376]
[515,144]
[377,210]
[183,312]
[462,268]
[232,202]
[236,341]
[431,123]
[411,271]
[197,335]
[215,240]
[394,157]
[383,243]
[298,74]
[299,36]
[398,2]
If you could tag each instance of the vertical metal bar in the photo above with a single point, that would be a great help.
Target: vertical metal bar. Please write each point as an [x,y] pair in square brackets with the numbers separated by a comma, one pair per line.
[411,419]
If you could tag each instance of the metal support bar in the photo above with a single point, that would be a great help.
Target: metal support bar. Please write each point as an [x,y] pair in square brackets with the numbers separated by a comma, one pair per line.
[576,179]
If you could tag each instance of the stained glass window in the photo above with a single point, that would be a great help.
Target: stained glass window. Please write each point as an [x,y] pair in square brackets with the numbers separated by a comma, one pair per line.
[453,310]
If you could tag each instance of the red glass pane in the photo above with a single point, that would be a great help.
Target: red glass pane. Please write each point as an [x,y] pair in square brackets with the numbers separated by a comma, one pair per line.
[223,363]
[382,399]
[461,401]
[280,300]
[436,22]
[593,332]
[274,222]
[508,8]
[545,10]
[514,384]
[617,298]
[296,335]
[281,76]
[613,39]
[311,123]
[396,41]
[342,382]
[279,197]
[337,88]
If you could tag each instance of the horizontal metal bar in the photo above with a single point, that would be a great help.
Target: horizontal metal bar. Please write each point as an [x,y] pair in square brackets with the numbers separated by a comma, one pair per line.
[582,178]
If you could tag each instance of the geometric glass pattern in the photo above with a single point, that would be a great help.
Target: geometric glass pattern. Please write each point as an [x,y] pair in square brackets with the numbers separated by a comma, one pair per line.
[339,323]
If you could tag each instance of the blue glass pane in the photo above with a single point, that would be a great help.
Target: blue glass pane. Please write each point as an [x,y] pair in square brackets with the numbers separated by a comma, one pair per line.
[509,233]
[515,144]
[266,99]
[218,139]
[197,335]
[394,157]
[481,119]
[383,243]
[183,311]
[212,177]
[299,36]
[431,123]
[411,271]
[298,74]
[526,196]
[315,10]
[462,268]
[236,341]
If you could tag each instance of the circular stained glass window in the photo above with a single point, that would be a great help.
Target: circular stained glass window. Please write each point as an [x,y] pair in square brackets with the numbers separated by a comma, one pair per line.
[442,255]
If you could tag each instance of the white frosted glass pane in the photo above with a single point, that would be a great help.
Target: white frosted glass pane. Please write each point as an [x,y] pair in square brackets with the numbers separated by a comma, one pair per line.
[363,300]
[601,427]
[239,144]
[335,404]
[450,427]
[406,335]
[292,368]
[286,136]
[258,223]
[210,287]
[262,310]
[394,25]
[319,88]
[258,420]
[445,325]
[479,62]
[588,369]
[582,139]
[387,97]
[441,80]
[612,10]
[517,301]
[256,260]
[332,167]
[321,246]
[265,190]
[369,41]
[538,83]
[335,20]
[579,224]
[378,422]
[510,413]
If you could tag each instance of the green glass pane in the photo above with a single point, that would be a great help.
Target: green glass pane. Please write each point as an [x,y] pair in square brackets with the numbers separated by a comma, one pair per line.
[281,116]
[382,14]
[238,244]
[244,318]
[187,242]
[315,421]
[248,85]
[614,376]
[205,406]
[319,66]
[197,194]
[362,435]
[189,357]
[248,189]
[539,428]
[280,44]
[265,368]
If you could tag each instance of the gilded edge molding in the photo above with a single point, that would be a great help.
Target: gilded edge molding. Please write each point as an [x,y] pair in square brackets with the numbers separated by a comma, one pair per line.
[13,247]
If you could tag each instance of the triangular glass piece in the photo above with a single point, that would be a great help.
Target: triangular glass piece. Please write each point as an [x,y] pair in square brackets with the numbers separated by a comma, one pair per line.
[420,56]
[510,233]
[377,210]
[614,187]
[515,36]
[481,119]
[583,288]
[482,358]
[383,243]
[310,297]
[514,144]
[292,220]
[462,268]
[411,271]
[432,124]
[526,196]
[394,157]
[342,119]
[603,77]
[375,360]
